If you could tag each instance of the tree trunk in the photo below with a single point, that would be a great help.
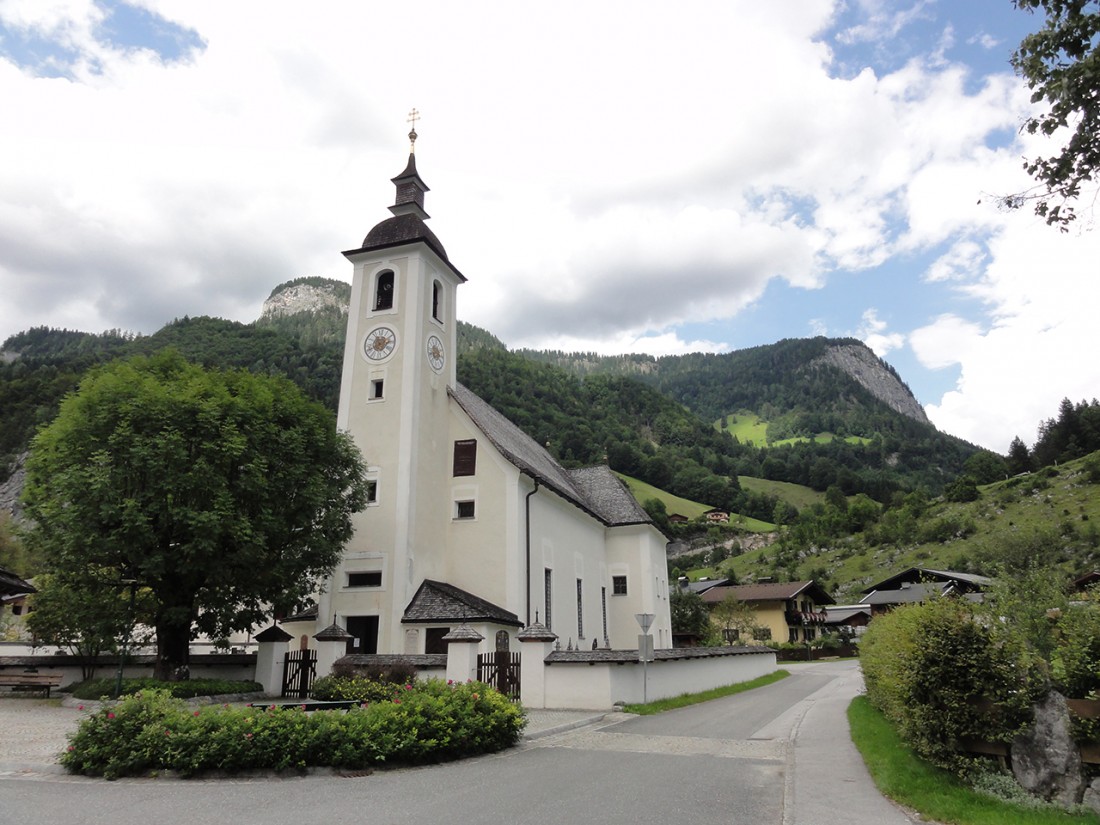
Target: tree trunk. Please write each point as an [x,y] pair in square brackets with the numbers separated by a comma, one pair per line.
[173,651]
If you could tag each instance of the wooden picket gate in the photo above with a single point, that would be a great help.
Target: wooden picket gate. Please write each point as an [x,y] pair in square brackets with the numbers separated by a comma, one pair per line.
[299,671]
[500,669]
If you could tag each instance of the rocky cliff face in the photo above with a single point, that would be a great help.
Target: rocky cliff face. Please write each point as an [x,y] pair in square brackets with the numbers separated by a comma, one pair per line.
[291,300]
[871,373]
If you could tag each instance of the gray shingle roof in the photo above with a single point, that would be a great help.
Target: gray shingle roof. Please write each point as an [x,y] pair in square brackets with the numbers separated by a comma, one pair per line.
[437,601]
[915,575]
[12,585]
[769,591]
[596,490]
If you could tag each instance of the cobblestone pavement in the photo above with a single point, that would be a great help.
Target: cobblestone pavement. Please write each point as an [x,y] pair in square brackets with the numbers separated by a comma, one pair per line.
[34,731]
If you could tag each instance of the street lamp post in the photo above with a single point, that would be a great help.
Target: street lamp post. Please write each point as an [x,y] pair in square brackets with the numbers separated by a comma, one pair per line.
[645,649]
[130,582]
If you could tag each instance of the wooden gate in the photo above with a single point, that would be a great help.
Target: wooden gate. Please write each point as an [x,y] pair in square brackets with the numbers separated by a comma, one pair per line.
[500,669]
[299,670]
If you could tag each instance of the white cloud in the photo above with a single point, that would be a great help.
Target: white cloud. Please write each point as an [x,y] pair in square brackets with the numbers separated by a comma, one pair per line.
[873,333]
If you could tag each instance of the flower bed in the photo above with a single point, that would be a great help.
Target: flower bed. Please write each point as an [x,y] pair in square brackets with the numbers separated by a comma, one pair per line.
[427,722]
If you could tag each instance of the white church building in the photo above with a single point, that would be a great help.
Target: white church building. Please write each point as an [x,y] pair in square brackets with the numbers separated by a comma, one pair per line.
[469,521]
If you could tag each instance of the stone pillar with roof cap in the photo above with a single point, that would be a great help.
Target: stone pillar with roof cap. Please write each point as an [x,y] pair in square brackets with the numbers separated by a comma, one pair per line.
[332,644]
[272,645]
[537,641]
[462,645]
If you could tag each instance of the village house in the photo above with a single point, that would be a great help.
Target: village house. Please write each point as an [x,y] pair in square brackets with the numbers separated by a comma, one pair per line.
[919,583]
[784,611]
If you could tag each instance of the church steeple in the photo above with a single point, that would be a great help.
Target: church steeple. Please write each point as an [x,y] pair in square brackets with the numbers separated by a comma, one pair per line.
[410,190]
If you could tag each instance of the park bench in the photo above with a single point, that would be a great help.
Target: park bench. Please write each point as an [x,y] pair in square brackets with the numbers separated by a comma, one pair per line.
[30,681]
[308,705]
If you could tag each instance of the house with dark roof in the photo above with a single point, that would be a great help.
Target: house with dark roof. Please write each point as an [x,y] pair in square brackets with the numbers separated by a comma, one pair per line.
[784,611]
[917,584]
[470,523]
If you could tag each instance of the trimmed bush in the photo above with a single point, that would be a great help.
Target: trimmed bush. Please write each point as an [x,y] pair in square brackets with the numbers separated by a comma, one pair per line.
[187,689]
[927,666]
[430,721]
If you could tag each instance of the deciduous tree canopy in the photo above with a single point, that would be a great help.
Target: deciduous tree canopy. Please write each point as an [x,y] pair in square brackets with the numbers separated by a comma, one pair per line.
[221,493]
[1061,64]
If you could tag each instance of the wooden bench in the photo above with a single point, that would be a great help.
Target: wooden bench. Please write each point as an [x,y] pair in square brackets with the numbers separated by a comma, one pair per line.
[31,681]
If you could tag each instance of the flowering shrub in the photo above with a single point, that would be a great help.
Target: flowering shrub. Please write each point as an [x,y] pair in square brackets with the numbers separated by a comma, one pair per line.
[430,722]
[356,688]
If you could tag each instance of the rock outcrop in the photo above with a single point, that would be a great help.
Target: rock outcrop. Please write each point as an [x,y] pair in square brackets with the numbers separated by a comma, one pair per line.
[1045,759]
[291,300]
[874,376]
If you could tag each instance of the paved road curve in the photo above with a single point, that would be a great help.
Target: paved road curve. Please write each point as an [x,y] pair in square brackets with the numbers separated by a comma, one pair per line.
[776,756]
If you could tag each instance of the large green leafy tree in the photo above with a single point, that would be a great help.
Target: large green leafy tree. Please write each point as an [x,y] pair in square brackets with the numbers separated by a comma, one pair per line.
[1061,64]
[221,493]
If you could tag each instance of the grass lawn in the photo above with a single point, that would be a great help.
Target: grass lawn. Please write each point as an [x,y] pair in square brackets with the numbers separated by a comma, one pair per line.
[685,699]
[673,504]
[796,494]
[936,794]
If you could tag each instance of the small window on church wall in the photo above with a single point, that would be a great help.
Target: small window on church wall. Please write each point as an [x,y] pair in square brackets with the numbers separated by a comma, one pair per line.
[433,639]
[465,460]
[618,585]
[370,578]
[464,509]
[437,300]
[372,491]
[376,388]
[580,608]
[548,596]
[383,293]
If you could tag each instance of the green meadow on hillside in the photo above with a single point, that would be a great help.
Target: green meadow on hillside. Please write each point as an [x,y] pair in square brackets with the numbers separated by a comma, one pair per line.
[796,494]
[685,507]
[1059,505]
[749,428]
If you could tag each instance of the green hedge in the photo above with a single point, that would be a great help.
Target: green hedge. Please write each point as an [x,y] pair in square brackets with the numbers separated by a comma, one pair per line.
[431,721]
[188,689]
[927,665]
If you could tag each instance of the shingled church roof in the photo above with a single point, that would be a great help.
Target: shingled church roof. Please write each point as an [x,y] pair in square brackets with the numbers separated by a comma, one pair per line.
[437,601]
[596,490]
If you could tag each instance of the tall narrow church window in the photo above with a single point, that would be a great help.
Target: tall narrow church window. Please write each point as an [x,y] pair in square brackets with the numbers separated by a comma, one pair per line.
[437,300]
[376,387]
[383,293]
[548,596]
[465,459]
[580,609]
[372,491]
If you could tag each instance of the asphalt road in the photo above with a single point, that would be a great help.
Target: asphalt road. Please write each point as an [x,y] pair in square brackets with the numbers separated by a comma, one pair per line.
[779,755]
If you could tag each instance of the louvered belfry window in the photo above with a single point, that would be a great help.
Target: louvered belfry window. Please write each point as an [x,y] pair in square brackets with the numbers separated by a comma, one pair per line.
[465,463]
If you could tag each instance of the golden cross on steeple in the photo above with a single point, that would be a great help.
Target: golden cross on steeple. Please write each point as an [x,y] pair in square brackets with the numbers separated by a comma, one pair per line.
[413,117]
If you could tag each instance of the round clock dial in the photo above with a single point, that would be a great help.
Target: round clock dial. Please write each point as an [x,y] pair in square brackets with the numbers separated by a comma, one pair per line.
[436,354]
[379,343]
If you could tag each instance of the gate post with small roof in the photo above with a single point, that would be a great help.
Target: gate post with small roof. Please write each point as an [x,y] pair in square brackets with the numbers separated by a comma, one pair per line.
[536,643]
[462,645]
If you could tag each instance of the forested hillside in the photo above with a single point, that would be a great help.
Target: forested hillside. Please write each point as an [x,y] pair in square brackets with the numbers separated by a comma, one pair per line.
[648,418]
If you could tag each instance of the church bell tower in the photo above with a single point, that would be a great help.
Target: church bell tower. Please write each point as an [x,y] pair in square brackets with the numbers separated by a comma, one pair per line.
[399,361]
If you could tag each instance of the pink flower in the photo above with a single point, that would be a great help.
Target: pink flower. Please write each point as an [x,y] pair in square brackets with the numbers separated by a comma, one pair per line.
[196,713]
[397,701]
[273,707]
[408,687]
[71,749]
[476,696]
[168,733]
[450,681]
[110,715]
[80,707]
[226,706]
[364,704]
[303,707]
[248,736]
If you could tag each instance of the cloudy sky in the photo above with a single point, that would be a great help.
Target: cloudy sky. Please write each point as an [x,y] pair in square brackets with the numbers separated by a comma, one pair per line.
[611,176]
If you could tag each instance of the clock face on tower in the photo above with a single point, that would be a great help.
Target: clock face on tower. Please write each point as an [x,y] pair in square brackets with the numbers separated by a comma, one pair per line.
[380,343]
[436,354]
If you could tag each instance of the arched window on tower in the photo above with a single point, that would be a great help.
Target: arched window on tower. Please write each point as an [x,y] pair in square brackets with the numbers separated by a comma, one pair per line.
[437,300]
[383,291]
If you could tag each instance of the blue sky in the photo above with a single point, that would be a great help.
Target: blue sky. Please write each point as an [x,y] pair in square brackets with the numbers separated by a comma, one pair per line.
[620,176]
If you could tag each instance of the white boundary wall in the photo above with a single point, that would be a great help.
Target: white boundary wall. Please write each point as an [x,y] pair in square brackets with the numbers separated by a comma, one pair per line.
[599,685]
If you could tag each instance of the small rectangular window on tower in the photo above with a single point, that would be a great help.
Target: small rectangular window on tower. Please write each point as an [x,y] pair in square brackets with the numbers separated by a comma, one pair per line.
[372,491]
[370,578]
[464,509]
[618,585]
[376,386]
[465,458]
